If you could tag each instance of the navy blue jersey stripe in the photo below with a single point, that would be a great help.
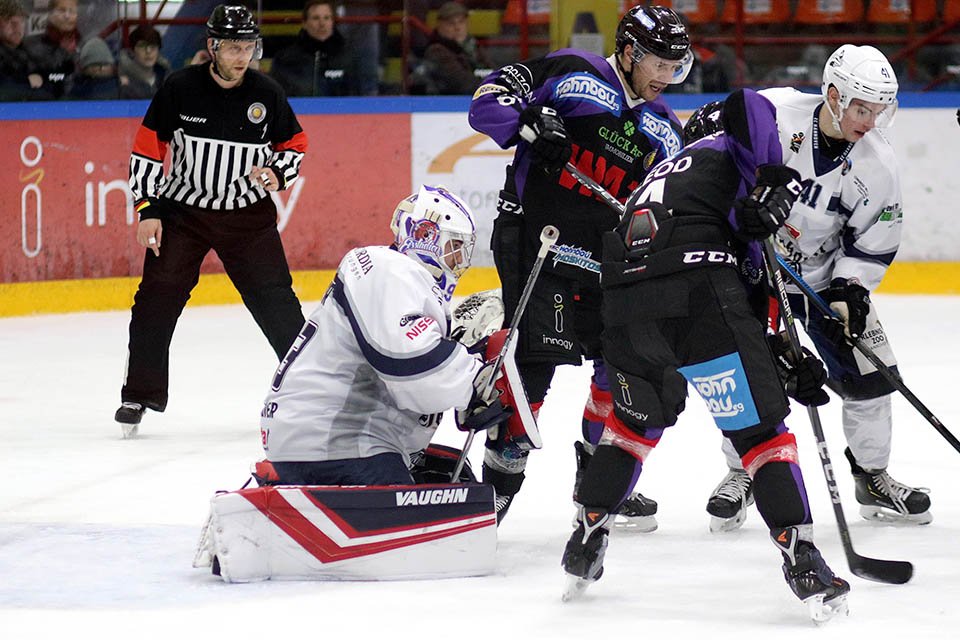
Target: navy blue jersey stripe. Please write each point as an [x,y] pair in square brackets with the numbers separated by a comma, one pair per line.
[388,365]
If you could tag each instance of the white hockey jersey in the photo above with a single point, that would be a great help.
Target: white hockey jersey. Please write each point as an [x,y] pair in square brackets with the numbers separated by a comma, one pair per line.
[847,222]
[372,371]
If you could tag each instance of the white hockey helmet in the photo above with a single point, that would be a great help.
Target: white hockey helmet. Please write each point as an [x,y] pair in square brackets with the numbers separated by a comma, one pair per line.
[431,225]
[861,72]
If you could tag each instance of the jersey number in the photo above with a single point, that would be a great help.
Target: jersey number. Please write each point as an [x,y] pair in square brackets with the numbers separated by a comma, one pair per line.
[810,194]
[306,334]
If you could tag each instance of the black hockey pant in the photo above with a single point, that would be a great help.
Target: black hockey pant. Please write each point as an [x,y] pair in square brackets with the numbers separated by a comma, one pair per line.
[248,243]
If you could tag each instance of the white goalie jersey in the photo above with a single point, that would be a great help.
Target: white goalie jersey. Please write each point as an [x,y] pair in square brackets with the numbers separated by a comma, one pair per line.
[373,369]
[847,222]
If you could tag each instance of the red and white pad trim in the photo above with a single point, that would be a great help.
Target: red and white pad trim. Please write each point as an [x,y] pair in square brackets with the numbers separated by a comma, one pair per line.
[352,533]
[782,448]
[599,404]
[617,434]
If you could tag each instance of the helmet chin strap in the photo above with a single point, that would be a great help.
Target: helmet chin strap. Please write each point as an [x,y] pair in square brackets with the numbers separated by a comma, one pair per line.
[628,75]
[833,116]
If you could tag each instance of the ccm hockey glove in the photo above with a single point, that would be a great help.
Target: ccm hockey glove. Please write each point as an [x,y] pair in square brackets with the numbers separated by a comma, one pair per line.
[802,381]
[768,206]
[551,146]
[485,409]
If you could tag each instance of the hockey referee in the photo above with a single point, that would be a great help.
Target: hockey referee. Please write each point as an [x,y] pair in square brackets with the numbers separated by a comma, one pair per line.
[233,137]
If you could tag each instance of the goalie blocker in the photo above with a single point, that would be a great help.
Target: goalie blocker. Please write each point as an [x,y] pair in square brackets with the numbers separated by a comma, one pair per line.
[350,533]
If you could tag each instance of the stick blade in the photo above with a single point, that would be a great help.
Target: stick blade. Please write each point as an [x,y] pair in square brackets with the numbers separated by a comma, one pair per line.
[888,571]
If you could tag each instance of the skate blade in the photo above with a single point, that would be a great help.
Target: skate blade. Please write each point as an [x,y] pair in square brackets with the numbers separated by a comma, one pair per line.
[129,430]
[725,525]
[635,524]
[889,516]
[821,612]
[574,588]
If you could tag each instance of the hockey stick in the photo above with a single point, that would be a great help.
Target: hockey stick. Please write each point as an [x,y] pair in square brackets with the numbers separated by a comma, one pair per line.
[548,237]
[870,355]
[528,134]
[892,571]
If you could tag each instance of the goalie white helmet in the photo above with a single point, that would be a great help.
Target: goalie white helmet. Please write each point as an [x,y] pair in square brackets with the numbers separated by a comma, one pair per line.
[436,228]
[861,73]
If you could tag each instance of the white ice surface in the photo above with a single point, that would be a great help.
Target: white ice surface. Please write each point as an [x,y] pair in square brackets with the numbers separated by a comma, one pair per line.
[97,534]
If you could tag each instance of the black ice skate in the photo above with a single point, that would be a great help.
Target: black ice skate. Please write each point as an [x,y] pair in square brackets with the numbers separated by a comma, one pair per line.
[884,499]
[808,575]
[129,415]
[638,513]
[583,555]
[728,503]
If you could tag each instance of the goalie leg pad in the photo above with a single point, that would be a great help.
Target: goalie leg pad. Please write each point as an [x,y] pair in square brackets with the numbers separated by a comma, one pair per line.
[354,533]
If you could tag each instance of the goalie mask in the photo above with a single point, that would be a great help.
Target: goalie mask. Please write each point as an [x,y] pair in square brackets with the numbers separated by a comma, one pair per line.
[861,73]
[658,31]
[436,228]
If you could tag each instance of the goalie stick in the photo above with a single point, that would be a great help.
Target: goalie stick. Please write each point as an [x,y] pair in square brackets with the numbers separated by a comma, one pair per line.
[870,355]
[548,237]
[891,571]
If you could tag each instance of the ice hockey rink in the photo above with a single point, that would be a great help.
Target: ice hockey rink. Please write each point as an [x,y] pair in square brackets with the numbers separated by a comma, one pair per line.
[97,533]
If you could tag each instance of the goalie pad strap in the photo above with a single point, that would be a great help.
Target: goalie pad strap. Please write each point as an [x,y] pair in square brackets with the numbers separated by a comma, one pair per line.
[782,448]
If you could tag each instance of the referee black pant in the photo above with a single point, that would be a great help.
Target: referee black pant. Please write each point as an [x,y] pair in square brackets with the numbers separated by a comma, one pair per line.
[248,243]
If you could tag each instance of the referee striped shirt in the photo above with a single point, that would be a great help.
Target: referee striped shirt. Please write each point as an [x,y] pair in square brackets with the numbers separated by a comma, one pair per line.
[215,137]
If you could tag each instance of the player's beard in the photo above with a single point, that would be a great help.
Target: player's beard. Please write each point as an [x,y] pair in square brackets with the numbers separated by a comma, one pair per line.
[227,72]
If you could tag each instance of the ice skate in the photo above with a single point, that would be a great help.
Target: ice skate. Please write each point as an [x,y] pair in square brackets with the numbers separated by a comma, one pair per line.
[884,499]
[636,514]
[583,555]
[728,503]
[807,574]
[129,415]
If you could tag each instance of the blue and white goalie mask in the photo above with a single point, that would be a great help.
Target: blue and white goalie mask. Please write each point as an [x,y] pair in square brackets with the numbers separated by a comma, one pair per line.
[436,228]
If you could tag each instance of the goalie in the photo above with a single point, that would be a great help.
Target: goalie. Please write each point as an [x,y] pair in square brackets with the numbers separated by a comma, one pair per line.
[364,386]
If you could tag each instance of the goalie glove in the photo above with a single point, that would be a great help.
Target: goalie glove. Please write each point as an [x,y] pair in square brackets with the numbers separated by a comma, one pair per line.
[851,301]
[485,409]
[477,318]
[768,205]
[551,147]
[802,381]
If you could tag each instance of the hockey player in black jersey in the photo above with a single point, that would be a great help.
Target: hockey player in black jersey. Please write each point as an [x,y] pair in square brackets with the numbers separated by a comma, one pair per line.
[233,138]
[605,116]
[685,301]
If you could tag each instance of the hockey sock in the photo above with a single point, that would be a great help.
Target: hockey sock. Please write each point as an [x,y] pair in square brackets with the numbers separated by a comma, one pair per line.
[598,405]
[778,487]
[609,478]
[505,484]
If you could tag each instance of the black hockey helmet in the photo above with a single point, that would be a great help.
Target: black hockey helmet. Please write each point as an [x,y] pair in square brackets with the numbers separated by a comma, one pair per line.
[232,22]
[705,121]
[657,30]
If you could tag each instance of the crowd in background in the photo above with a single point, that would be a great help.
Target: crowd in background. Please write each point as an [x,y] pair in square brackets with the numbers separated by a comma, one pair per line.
[45,53]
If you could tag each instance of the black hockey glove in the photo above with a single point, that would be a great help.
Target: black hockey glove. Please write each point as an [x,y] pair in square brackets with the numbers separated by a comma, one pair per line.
[485,409]
[551,146]
[851,301]
[768,206]
[804,381]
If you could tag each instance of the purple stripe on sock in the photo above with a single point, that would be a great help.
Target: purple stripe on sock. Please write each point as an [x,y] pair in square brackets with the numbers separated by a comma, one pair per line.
[802,490]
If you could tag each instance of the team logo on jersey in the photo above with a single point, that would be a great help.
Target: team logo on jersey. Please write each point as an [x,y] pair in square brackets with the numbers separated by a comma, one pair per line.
[661,130]
[256,112]
[575,256]
[847,166]
[648,160]
[795,141]
[581,86]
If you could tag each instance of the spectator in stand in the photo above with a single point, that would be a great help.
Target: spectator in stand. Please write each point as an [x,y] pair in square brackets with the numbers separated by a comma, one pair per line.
[452,64]
[142,64]
[320,62]
[96,78]
[19,79]
[53,51]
